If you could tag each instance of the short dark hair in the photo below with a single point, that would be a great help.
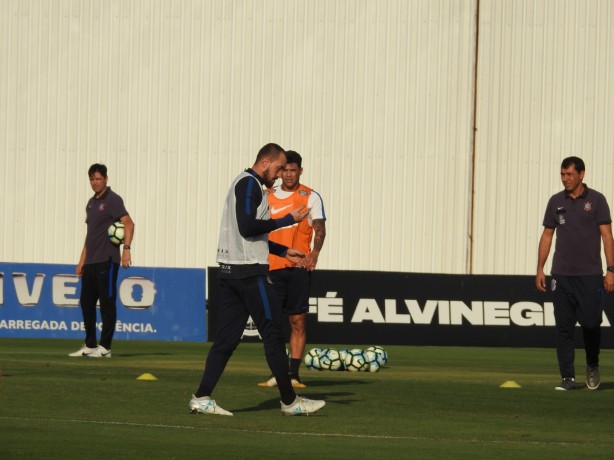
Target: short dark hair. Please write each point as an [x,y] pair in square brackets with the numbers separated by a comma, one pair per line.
[294,157]
[97,168]
[270,151]
[575,161]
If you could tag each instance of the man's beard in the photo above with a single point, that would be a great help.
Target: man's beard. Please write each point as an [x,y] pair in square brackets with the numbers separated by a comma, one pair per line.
[268,181]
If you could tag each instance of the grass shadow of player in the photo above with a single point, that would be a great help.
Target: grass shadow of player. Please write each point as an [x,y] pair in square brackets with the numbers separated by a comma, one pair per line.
[139,355]
[329,382]
[605,386]
[270,404]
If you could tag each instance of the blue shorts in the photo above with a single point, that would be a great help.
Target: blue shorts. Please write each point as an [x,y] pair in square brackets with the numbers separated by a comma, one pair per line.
[292,286]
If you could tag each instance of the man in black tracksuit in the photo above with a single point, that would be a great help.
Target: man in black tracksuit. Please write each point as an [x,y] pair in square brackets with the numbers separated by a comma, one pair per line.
[581,218]
[99,263]
[246,289]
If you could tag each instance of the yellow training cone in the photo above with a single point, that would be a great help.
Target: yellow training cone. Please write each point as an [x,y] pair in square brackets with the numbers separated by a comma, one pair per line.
[147,376]
[509,384]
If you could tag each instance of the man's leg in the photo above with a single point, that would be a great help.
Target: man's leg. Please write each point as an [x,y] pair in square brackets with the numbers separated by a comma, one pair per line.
[107,287]
[264,308]
[232,319]
[565,316]
[88,299]
[297,305]
[591,301]
[298,340]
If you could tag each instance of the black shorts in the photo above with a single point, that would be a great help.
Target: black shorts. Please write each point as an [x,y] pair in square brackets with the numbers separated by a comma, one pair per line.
[292,286]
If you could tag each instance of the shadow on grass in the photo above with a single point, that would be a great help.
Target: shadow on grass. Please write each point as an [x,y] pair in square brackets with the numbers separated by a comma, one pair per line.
[139,355]
[327,383]
[274,403]
[606,386]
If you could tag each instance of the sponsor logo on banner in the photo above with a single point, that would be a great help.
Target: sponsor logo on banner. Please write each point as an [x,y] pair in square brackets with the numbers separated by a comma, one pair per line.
[329,309]
[360,307]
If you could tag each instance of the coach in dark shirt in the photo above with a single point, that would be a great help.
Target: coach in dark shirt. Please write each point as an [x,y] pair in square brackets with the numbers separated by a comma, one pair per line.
[99,263]
[581,218]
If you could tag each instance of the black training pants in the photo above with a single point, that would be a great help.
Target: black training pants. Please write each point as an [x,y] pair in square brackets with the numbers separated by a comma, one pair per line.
[577,299]
[241,298]
[99,283]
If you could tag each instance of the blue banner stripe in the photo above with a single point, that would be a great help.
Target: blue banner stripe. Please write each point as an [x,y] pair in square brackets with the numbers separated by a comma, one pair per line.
[42,301]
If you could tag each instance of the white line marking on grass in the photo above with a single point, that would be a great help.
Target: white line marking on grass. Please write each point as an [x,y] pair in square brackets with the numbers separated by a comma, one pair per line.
[310,434]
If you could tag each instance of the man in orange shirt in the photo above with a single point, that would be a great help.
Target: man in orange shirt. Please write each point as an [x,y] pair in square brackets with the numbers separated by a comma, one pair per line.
[291,282]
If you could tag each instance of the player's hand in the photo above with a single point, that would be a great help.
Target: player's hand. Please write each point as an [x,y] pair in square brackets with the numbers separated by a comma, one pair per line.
[540,281]
[311,260]
[608,282]
[296,257]
[79,269]
[126,259]
[300,213]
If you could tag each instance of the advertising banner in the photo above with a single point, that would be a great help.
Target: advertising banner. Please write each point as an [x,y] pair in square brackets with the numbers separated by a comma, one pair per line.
[379,308]
[42,301]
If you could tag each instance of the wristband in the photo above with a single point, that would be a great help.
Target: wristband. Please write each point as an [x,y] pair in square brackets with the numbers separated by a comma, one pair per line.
[127,246]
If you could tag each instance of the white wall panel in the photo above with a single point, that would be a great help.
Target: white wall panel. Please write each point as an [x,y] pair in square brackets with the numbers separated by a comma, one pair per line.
[177,96]
[544,93]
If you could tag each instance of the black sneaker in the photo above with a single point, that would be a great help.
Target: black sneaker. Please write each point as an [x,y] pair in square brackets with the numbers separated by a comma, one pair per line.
[568,383]
[592,378]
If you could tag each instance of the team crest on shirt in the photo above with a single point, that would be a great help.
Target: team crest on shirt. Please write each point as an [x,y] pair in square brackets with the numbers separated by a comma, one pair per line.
[588,206]
[102,206]
[303,192]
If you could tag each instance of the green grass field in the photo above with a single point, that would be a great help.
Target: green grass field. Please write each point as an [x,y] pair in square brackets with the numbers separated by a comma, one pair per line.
[428,402]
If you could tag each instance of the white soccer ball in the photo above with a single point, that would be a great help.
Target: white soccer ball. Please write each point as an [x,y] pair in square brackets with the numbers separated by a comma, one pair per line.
[382,354]
[373,361]
[355,360]
[312,359]
[115,232]
[342,354]
[330,360]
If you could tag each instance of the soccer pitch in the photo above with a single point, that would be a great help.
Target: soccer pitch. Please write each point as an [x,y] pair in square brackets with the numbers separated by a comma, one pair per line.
[427,402]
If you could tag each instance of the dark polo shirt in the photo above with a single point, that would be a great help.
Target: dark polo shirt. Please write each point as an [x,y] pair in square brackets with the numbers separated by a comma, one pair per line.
[578,241]
[101,213]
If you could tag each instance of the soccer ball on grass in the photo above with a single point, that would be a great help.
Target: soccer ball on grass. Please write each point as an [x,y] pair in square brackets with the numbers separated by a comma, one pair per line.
[373,361]
[355,360]
[330,360]
[312,359]
[382,355]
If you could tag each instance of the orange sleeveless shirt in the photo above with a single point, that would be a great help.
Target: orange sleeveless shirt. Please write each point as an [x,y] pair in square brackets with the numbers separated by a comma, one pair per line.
[297,236]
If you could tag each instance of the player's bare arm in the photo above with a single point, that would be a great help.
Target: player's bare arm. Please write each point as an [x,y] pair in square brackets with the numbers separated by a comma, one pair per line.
[128,235]
[319,234]
[81,263]
[542,255]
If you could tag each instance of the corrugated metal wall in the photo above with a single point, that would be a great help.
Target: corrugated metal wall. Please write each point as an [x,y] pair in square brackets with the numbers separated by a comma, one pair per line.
[176,97]
[544,92]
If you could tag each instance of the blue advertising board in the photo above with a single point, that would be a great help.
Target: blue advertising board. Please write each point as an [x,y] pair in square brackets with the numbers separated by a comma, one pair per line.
[42,301]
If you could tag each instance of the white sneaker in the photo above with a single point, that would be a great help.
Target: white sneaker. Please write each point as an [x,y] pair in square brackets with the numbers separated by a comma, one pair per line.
[100,352]
[83,351]
[302,406]
[206,405]
[272,382]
